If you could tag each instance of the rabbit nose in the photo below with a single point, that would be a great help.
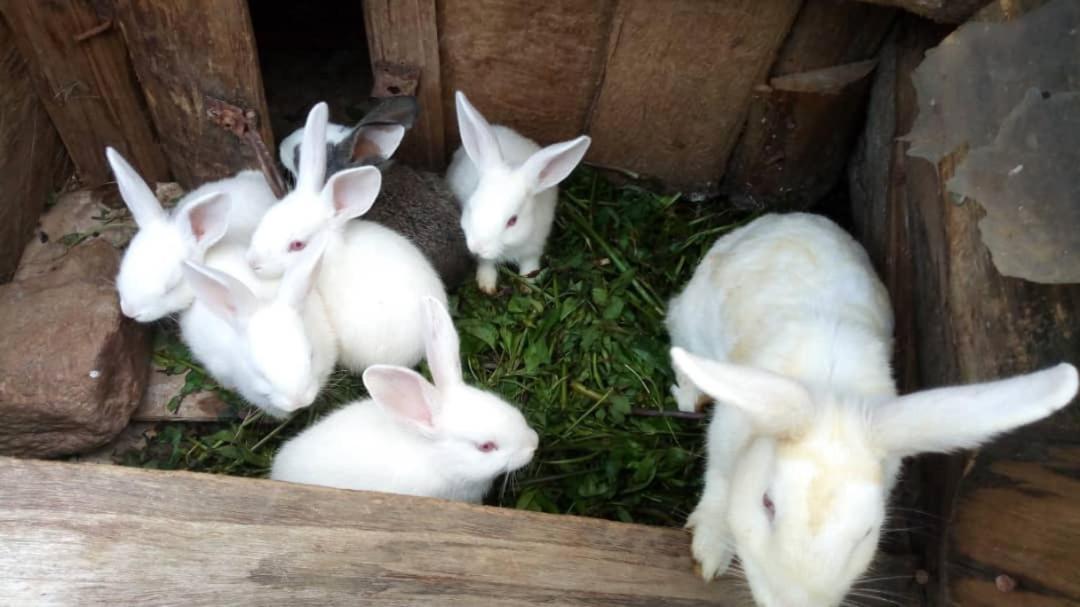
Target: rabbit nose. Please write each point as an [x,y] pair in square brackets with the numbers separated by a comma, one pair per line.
[253,262]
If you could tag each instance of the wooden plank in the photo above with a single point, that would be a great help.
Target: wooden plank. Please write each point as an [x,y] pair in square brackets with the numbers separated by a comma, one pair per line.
[92,534]
[959,320]
[797,138]
[405,32]
[999,533]
[31,155]
[87,86]
[183,51]
[533,68]
[944,11]
[677,84]
[828,33]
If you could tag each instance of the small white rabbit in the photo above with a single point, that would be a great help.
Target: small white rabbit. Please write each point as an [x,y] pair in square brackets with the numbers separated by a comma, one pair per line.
[445,440]
[150,281]
[790,331]
[269,340]
[372,278]
[507,186]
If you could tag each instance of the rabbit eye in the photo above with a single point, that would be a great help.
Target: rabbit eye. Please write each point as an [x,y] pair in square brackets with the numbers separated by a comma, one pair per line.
[487,447]
[770,508]
[512,221]
[296,245]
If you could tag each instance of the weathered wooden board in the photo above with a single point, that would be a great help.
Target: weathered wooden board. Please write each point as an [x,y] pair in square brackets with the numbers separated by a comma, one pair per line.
[798,137]
[959,320]
[89,534]
[677,82]
[800,127]
[945,11]
[87,85]
[828,33]
[184,51]
[31,155]
[534,67]
[404,32]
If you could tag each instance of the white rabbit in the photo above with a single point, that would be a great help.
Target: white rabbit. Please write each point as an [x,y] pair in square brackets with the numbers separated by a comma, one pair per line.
[445,440]
[150,281]
[372,279]
[269,340]
[790,331]
[507,186]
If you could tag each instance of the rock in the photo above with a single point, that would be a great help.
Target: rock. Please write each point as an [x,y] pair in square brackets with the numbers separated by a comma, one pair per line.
[76,217]
[202,406]
[72,367]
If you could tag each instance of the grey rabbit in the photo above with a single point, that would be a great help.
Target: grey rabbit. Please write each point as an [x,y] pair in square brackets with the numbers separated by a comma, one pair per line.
[416,204]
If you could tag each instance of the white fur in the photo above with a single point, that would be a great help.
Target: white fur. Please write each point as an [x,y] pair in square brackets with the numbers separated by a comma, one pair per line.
[414,437]
[269,340]
[499,174]
[790,332]
[372,278]
[150,281]
[335,133]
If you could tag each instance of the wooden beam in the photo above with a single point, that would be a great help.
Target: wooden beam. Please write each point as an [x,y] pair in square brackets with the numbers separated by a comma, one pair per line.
[185,51]
[81,71]
[31,155]
[404,32]
[676,87]
[99,534]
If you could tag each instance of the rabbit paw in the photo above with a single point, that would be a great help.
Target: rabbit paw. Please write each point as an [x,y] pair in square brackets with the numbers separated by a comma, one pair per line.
[487,276]
[687,397]
[712,544]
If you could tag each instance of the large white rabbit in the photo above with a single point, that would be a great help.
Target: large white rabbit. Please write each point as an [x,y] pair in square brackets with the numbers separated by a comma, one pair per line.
[372,278]
[150,281]
[507,186]
[446,440]
[786,326]
[269,340]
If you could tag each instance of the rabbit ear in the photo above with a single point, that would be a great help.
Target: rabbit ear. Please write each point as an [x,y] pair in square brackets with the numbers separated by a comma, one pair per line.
[547,167]
[226,296]
[477,136]
[964,416]
[138,197]
[299,279]
[405,394]
[441,343]
[774,403]
[352,192]
[313,150]
[401,110]
[377,142]
[205,219]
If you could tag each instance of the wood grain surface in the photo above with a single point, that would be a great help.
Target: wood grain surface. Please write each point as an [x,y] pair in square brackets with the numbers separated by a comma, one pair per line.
[96,534]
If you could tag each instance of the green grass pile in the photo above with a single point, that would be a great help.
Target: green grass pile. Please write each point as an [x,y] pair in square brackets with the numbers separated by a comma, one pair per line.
[582,349]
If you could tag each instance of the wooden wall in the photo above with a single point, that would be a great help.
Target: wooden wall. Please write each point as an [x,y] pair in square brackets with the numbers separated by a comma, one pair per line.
[1001,524]
[31,154]
[663,88]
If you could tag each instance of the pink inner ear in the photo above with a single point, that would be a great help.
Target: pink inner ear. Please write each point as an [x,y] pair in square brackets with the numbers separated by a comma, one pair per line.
[403,392]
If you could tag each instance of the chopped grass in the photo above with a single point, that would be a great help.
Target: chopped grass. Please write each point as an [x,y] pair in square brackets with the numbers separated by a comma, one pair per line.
[582,349]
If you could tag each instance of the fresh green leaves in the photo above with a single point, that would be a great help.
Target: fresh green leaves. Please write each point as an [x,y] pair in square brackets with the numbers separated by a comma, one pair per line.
[578,349]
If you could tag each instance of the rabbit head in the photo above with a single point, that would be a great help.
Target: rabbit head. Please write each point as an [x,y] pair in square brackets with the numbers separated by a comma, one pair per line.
[808,494]
[315,206]
[371,142]
[150,281]
[500,213]
[476,434]
[282,370]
